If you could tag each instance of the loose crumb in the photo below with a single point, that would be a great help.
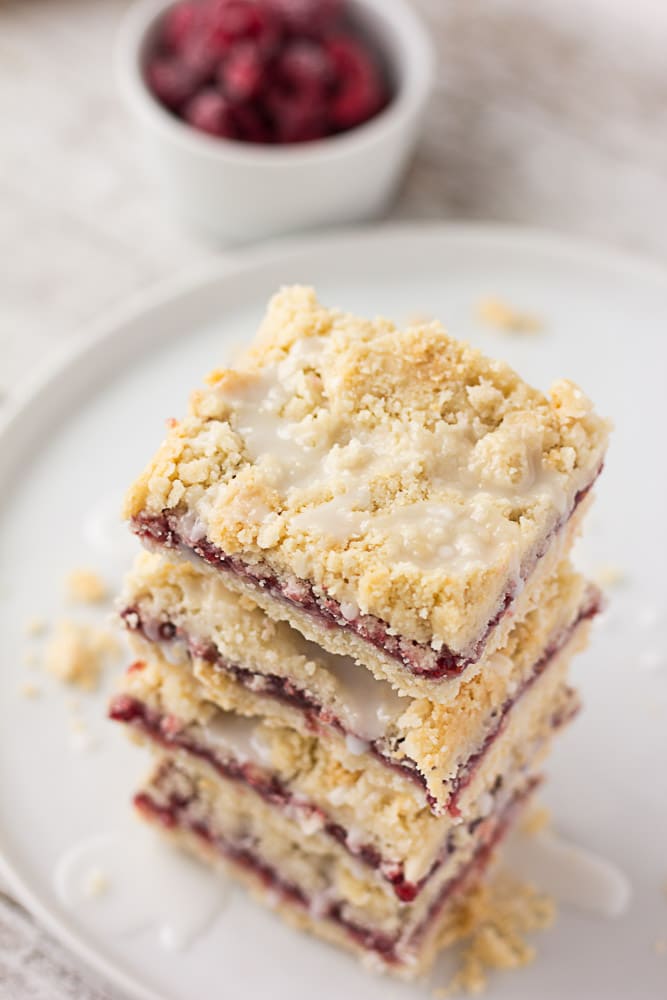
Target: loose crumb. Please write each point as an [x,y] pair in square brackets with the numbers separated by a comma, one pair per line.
[77,653]
[96,883]
[80,737]
[30,690]
[84,586]
[30,659]
[493,921]
[35,626]
[537,820]
[661,946]
[608,575]
[76,724]
[417,318]
[83,742]
[502,316]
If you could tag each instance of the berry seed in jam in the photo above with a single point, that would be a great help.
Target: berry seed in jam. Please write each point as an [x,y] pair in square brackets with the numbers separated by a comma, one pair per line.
[266,71]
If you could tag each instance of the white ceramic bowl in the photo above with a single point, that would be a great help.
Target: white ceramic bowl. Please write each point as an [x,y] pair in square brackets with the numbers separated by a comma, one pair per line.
[242,191]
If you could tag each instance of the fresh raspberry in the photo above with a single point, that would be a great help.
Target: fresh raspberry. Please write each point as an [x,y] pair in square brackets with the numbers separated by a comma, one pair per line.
[171,81]
[209,111]
[304,67]
[200,58]
[242,73]
[179,24]
[266,30]
[297,118]
[311,18]
[251,124]
[361,91]
[226,22]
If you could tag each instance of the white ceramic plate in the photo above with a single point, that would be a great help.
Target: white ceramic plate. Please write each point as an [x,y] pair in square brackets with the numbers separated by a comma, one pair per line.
[82,433]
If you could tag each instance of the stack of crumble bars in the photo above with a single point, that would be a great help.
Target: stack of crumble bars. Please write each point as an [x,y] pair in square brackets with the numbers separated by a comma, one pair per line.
[354,621]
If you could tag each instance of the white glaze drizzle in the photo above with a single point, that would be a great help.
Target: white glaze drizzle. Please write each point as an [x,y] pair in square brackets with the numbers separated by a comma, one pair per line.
[456,532]
[572,874]
[368,705]
[143,884]
[104,530]
[238,736]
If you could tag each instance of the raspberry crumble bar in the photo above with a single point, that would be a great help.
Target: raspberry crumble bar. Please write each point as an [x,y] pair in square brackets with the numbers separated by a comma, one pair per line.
[354,622]
[388,492]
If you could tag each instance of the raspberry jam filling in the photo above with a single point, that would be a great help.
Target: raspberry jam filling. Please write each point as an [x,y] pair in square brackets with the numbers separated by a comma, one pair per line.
[420,659]
[170,733]
[284,690]
[172,811]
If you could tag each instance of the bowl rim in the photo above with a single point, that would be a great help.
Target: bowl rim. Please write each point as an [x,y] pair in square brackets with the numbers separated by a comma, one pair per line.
[417,61]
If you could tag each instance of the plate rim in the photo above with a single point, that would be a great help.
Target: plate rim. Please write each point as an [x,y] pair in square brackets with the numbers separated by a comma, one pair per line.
[92,337]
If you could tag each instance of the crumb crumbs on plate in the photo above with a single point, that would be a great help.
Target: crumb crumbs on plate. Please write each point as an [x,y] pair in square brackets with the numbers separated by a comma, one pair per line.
[417,318]
[501,315]
[77,653]
[85,586]
[493,923]
[81,739]
[36,626]
[83,742]
[608,575]
[77,724]
[535,821]
[95,883]
[30,690]
[30,659]
[661,946]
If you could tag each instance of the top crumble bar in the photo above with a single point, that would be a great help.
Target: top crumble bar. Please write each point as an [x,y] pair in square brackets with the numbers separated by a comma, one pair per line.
[394,483]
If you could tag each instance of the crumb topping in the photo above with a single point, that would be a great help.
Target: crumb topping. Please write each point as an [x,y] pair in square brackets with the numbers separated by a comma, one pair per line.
[399,471]
[85,586]
[494,921]
[77,653]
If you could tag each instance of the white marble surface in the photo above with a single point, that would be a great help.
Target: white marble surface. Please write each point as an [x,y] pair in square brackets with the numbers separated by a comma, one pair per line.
[551,114]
